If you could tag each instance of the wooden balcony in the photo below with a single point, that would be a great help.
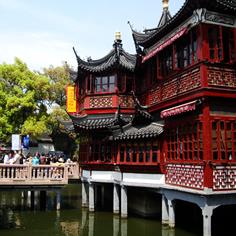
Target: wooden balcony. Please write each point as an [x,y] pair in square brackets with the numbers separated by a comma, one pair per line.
[105,101]
[176,85]
[218,77]
[196,77]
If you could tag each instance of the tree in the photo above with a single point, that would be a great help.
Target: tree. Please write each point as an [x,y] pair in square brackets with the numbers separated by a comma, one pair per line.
[59,78]
[22,100]
[25,97]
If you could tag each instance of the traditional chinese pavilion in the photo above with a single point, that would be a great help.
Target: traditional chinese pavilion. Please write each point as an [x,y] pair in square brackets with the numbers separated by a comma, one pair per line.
[165,117]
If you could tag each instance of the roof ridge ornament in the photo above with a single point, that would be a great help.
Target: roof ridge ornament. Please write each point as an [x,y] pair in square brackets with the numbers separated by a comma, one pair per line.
[166,16]
[137,102]
[117,44]
[165,4]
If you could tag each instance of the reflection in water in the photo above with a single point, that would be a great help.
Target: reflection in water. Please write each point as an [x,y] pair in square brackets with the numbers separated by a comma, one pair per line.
[70,228]
[24,214]
[166,231]
[124,227]
[91,224]
[116,225]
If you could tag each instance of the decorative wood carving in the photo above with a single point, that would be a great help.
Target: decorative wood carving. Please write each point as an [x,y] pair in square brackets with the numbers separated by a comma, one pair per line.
[224,178]
[177,86]
[219,18]
[221,77]
[190,176]
[100,102]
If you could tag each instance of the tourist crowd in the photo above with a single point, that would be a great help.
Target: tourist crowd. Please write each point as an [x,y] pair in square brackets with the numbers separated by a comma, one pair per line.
[17,157]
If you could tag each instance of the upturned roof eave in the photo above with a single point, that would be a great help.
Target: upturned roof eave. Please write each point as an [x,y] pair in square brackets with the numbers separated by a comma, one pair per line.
[111,60]
[145,40]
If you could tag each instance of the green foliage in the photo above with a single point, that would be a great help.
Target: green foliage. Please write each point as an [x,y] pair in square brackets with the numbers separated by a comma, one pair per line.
[22,100]
[59,79]
[25,97]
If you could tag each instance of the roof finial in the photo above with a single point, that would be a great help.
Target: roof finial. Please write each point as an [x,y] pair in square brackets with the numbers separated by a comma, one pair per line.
[165,4]
[118,36]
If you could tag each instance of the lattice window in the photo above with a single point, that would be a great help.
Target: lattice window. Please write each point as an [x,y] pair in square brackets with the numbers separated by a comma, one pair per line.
[105,84]
[223,140]
[166,61]
[215,43]
[186,50]
[228,45]
[178,55]
[184,142]
[139,153]
[101,152]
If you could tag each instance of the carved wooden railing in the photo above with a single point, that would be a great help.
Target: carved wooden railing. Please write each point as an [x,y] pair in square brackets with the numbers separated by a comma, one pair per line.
[221,77]
[176,85]
[38,174]
[109,100]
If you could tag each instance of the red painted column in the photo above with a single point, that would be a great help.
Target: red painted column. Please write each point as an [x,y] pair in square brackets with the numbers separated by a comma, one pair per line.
[115,100]
[207,157]
[86,102]
[118,154]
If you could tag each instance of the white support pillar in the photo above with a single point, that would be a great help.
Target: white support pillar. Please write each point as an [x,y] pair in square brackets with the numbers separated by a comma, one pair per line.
[164,212]
[171,211]
[91,197]
[124,202]
[84,194]
[207,212]
[116,199]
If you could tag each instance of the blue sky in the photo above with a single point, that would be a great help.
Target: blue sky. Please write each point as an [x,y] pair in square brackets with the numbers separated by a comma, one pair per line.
[43,32]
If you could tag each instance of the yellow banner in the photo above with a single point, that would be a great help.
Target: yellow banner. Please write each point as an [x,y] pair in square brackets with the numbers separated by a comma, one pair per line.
[71,100]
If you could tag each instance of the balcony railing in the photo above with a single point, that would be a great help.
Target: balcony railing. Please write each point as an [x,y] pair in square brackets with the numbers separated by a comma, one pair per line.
[192,175]
[38,174]
[175,85]
[221,77]
[94,101]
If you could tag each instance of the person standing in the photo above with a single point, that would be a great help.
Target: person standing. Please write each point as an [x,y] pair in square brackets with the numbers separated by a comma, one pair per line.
[16,158]
[6,159]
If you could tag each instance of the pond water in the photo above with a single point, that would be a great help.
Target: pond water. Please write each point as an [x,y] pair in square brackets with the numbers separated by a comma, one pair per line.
[19,217]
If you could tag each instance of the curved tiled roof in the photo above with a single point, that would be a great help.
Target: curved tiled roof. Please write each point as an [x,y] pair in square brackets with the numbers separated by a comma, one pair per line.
[135,132]
[223,6]
[92,122]
[116,57]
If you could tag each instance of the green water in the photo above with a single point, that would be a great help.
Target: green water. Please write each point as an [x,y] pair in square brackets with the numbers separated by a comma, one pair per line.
[19,218]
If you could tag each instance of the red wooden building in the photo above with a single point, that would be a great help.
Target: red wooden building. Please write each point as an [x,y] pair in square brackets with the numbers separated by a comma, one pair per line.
[171,107]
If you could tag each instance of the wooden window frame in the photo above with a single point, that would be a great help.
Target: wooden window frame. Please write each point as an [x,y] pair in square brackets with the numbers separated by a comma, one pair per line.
[99,86]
